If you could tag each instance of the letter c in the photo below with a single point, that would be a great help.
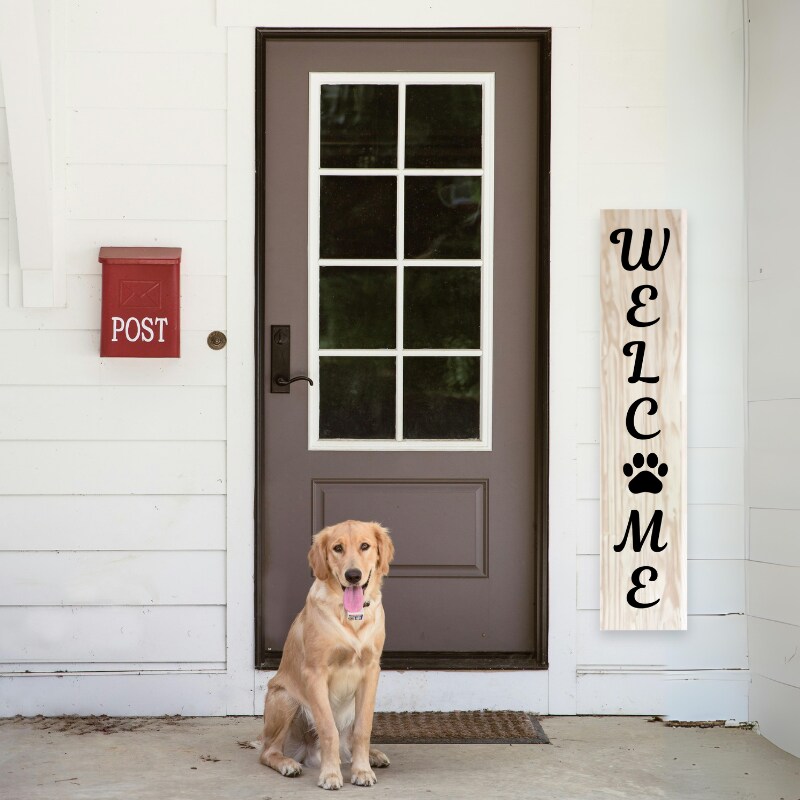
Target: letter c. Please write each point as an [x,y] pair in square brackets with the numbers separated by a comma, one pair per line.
[630,423]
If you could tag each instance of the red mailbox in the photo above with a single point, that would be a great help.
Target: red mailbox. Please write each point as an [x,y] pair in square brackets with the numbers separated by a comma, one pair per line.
[141,302]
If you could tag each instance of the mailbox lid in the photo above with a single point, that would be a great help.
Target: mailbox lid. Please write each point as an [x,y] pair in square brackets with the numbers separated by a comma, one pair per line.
[168,256]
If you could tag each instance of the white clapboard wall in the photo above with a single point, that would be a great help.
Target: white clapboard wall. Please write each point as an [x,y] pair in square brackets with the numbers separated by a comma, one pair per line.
[150,89]
[643,426]
[774,378]
[113,471]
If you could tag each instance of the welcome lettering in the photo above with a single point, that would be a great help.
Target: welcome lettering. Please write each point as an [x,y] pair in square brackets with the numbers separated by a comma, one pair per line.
[643,420]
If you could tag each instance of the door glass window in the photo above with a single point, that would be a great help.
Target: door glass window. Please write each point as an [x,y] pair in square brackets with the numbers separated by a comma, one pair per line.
[444,125]
[358,125]
[400,260]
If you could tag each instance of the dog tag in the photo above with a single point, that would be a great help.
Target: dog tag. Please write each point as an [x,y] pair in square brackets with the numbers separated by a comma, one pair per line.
[356,617]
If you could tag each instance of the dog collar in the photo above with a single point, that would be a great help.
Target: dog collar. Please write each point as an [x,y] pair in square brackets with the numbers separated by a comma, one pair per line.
[366,603]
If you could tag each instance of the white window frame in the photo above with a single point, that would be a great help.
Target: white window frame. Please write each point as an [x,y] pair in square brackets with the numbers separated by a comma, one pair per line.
[401,79]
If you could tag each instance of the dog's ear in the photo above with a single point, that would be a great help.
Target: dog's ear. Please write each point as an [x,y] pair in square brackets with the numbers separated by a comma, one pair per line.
[318,555]
[385,548]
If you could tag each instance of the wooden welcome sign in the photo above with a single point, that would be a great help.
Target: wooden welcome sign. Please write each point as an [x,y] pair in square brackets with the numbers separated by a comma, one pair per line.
[643,420]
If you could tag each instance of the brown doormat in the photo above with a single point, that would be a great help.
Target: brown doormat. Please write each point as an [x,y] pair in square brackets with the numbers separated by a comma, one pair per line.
[457,727]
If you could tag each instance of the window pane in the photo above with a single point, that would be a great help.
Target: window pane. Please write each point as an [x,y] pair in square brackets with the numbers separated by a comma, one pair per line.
[441,397]
[358,217]
[442,307]
[443,217]
[358,127]
[357,397]
[443,126]
[357,307]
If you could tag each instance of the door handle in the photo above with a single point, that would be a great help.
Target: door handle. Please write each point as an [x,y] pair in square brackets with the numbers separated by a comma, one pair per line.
[280,382]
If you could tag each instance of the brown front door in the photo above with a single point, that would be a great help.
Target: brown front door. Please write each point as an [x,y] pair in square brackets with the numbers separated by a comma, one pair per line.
[400,267]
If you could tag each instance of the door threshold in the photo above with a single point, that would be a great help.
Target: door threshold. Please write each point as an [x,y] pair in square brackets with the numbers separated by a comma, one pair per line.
[412,660]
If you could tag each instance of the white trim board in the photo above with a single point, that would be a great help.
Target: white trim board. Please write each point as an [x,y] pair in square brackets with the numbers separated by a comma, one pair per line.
[129,694]
[411,14]
[564,362]
[432,690]
[240,406]
[679,695]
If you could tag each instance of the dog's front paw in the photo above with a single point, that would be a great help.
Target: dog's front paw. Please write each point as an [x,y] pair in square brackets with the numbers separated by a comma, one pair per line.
[281,763]
[290,769]
[330,780]
[377,758]
[363,777]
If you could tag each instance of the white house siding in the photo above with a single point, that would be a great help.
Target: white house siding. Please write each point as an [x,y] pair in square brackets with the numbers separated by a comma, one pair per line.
[647,111]
[5,189]
[773,569]
[661,126]
[113,519]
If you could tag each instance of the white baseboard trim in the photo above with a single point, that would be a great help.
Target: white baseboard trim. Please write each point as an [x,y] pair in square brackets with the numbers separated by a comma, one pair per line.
[418,690]
[681,695]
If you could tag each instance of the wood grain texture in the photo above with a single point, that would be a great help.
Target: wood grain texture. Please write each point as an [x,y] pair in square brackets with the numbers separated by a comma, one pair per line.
[665,358]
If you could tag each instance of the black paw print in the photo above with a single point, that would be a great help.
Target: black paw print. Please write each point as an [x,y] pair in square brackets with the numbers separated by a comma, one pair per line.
[645,481]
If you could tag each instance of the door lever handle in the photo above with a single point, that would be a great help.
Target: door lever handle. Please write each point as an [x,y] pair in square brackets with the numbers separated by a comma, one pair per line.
[281,381]
[280,367]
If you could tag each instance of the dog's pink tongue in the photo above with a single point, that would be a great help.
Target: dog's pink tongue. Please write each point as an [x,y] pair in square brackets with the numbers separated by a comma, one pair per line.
[354,599]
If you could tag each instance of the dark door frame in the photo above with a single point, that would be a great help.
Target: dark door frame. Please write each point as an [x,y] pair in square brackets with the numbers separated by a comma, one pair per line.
[537,659]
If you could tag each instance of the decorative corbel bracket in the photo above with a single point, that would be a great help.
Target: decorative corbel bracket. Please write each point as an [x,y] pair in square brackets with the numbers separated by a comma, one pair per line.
[31,64]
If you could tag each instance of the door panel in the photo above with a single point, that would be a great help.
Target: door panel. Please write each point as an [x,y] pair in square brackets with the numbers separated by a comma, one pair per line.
[403,391]
[417,508]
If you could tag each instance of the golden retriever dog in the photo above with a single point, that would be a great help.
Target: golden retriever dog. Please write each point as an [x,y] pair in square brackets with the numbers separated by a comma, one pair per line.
[319,705]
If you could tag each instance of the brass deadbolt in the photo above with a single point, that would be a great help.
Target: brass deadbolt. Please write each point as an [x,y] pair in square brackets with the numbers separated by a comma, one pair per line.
[217,340]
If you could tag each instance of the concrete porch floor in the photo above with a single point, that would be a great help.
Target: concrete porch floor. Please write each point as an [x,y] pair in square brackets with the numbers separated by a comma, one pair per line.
[590,757]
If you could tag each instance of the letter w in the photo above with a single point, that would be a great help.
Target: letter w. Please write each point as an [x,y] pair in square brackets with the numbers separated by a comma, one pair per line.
[634,529]
[644,256]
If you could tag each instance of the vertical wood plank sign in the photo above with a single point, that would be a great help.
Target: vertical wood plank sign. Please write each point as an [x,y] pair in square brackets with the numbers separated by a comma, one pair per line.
[643,420]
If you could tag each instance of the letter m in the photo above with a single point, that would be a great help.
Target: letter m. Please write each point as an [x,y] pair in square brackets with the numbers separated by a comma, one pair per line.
[634,529]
